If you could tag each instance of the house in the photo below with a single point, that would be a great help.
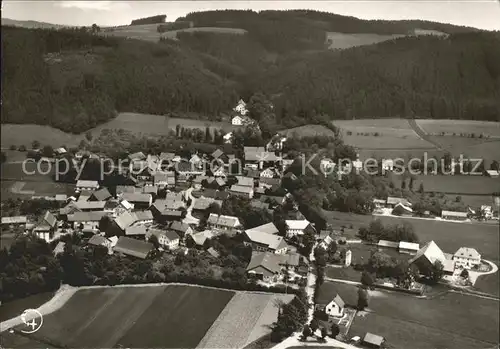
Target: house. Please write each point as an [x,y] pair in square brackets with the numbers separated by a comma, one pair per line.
[203,203]
[408,247]
[393,201]
[88,219]
[276,143]
[493,173]
[264,266]
[298,227]
[84,195]
[60,151]
[241,108]
[251,173]
[228,138]
[98,240]
[237,120]
[14,221]
[401,210]
[467,258]
[291,261]
[336,307]
[213,252]
[272,200]
[46,227]
[219,172]
[452,215]
[259,205]
[246,192]
[263,238]
[387,164]
[372,340]
[428,255]
[143,217]
[136,230]
[166,238]
[275,183]
[268,173]
[102,194]
[88,206]
[188,169]
[138,199]
[258,158]
[226,223]
[59,248]
[200,238]
[121,189]
[133,247]
[160,179]
[198,181]
[139,156]
[220,156]
[378,203]
[150,189]
[181,228]
[166,157]
[196,161]
[245,181]
[87,185]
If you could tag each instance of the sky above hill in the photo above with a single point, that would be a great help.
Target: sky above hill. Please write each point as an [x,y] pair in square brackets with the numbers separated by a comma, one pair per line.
[484,14]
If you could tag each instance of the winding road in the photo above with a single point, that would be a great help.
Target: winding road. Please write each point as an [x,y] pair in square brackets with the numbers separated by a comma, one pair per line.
[421,133]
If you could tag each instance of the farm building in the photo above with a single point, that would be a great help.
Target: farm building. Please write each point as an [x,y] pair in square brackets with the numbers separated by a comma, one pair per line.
[401,210]
[392,202]
[100,195]
[88,219]
[298,227]
[138,199]
[87,185]
[98,240]
[388,244]
[467,258]
[373,341]
[428,255]
[88,206]
[453,215]
[408,247]
[264,266]
[226,223]
[493,173]
[203,203]
[241,108]
[245,181]
[379,203]
[46,227]
[166,238]
[246,192]
[263,239]
[14,221]
[133,247]
[181,228]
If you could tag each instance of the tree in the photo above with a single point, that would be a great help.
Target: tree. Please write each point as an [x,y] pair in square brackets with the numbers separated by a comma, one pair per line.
[335,330]
[458,198]
[403,184]
[421,188]
[47,151]
[494,166]
[314,325]
[362,298]
[208,135]
[95,29]
[35,144]
[324,333]
[306,332]
[153,239]
[3,158]
[12,147]
[367,279]
[436,273]
[464,274]
[88,136]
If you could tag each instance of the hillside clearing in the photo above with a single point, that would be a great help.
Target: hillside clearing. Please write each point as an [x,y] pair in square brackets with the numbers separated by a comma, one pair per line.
[308,130]
[343,40]
[450,127]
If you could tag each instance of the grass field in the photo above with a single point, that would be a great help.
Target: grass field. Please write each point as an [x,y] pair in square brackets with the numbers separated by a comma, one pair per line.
[449,127]
[46,135]
[245,311]
[473,148]
[471,185]
[12,309]
[342,40]
[308,130]
[449,321]
[393,134]
[164,316]
[149,32]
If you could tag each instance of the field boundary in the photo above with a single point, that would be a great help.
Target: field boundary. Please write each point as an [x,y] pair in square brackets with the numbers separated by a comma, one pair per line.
[422,134]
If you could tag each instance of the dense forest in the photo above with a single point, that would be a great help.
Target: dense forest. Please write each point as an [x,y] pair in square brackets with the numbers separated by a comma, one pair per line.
[74,79]
[149,20]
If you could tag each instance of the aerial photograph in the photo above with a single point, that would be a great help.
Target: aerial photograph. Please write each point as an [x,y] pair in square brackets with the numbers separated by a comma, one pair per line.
[250,174]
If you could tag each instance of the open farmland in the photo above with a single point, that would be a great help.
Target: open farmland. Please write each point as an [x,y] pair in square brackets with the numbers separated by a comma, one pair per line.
[172,316]
[308,130]
[245,311]
[337,40]
[471,185]
[450,127]
[149,32]
[13,134]
[380,134]
[470,148]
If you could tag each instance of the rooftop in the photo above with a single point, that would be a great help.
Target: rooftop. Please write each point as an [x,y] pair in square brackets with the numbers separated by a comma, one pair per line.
[133,247]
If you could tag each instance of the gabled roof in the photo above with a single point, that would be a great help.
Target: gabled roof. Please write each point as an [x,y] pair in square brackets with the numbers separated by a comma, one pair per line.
[225,221]
[137,197]
[454,214]
[339,301]
[403,245]
[50,219]
[171,235]
[15,220]
[87,184]
[137,156]
[253,173]
[143,215]
[387,243]
[241,189]
[90,205]
[133,247]
[101,194]
[259,204]
[393,201]
[266,260]
[69,208]
[94,216]
[120,189]
[201,237]
[270,181]
[274,242]
[59,248]
[125,220]
[98,240]
[297,224]
[467,252]
[167,156]
[373,339]
[268,228]
[150,189]
[431,252]
[217,153]
[245,181]
[136,230]
[203,203]
[179,226]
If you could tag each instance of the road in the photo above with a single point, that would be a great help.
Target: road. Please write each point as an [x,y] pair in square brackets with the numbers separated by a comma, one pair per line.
[421,133]
[189,219]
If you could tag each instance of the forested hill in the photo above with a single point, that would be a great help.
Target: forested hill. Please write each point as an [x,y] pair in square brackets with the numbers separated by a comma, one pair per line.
[74,79]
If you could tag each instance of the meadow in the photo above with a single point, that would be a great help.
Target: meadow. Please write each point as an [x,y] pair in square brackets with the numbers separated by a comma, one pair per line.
[450,127]
[381,134]
[450,320]
[308,130]
[149,32]
[470,148]
[171,316]
[341,41]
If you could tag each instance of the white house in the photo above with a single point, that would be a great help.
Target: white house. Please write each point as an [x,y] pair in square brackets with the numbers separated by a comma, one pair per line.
[268,173]
[263,238]
[87,185]
[493,173]
[335,307]
[241,108]
[298,227]
[237,120]
[387,164]
[467,258]
[228,137]
[166,238]
[242,191]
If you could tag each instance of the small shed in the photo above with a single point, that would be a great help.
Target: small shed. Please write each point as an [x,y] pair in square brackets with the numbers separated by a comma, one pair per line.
[373,341]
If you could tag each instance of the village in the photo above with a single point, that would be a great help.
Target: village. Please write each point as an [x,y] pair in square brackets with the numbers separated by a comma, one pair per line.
[172,205]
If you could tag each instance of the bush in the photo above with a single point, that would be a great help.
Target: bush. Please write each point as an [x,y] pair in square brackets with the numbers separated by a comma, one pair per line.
[22,148]
[12,147]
